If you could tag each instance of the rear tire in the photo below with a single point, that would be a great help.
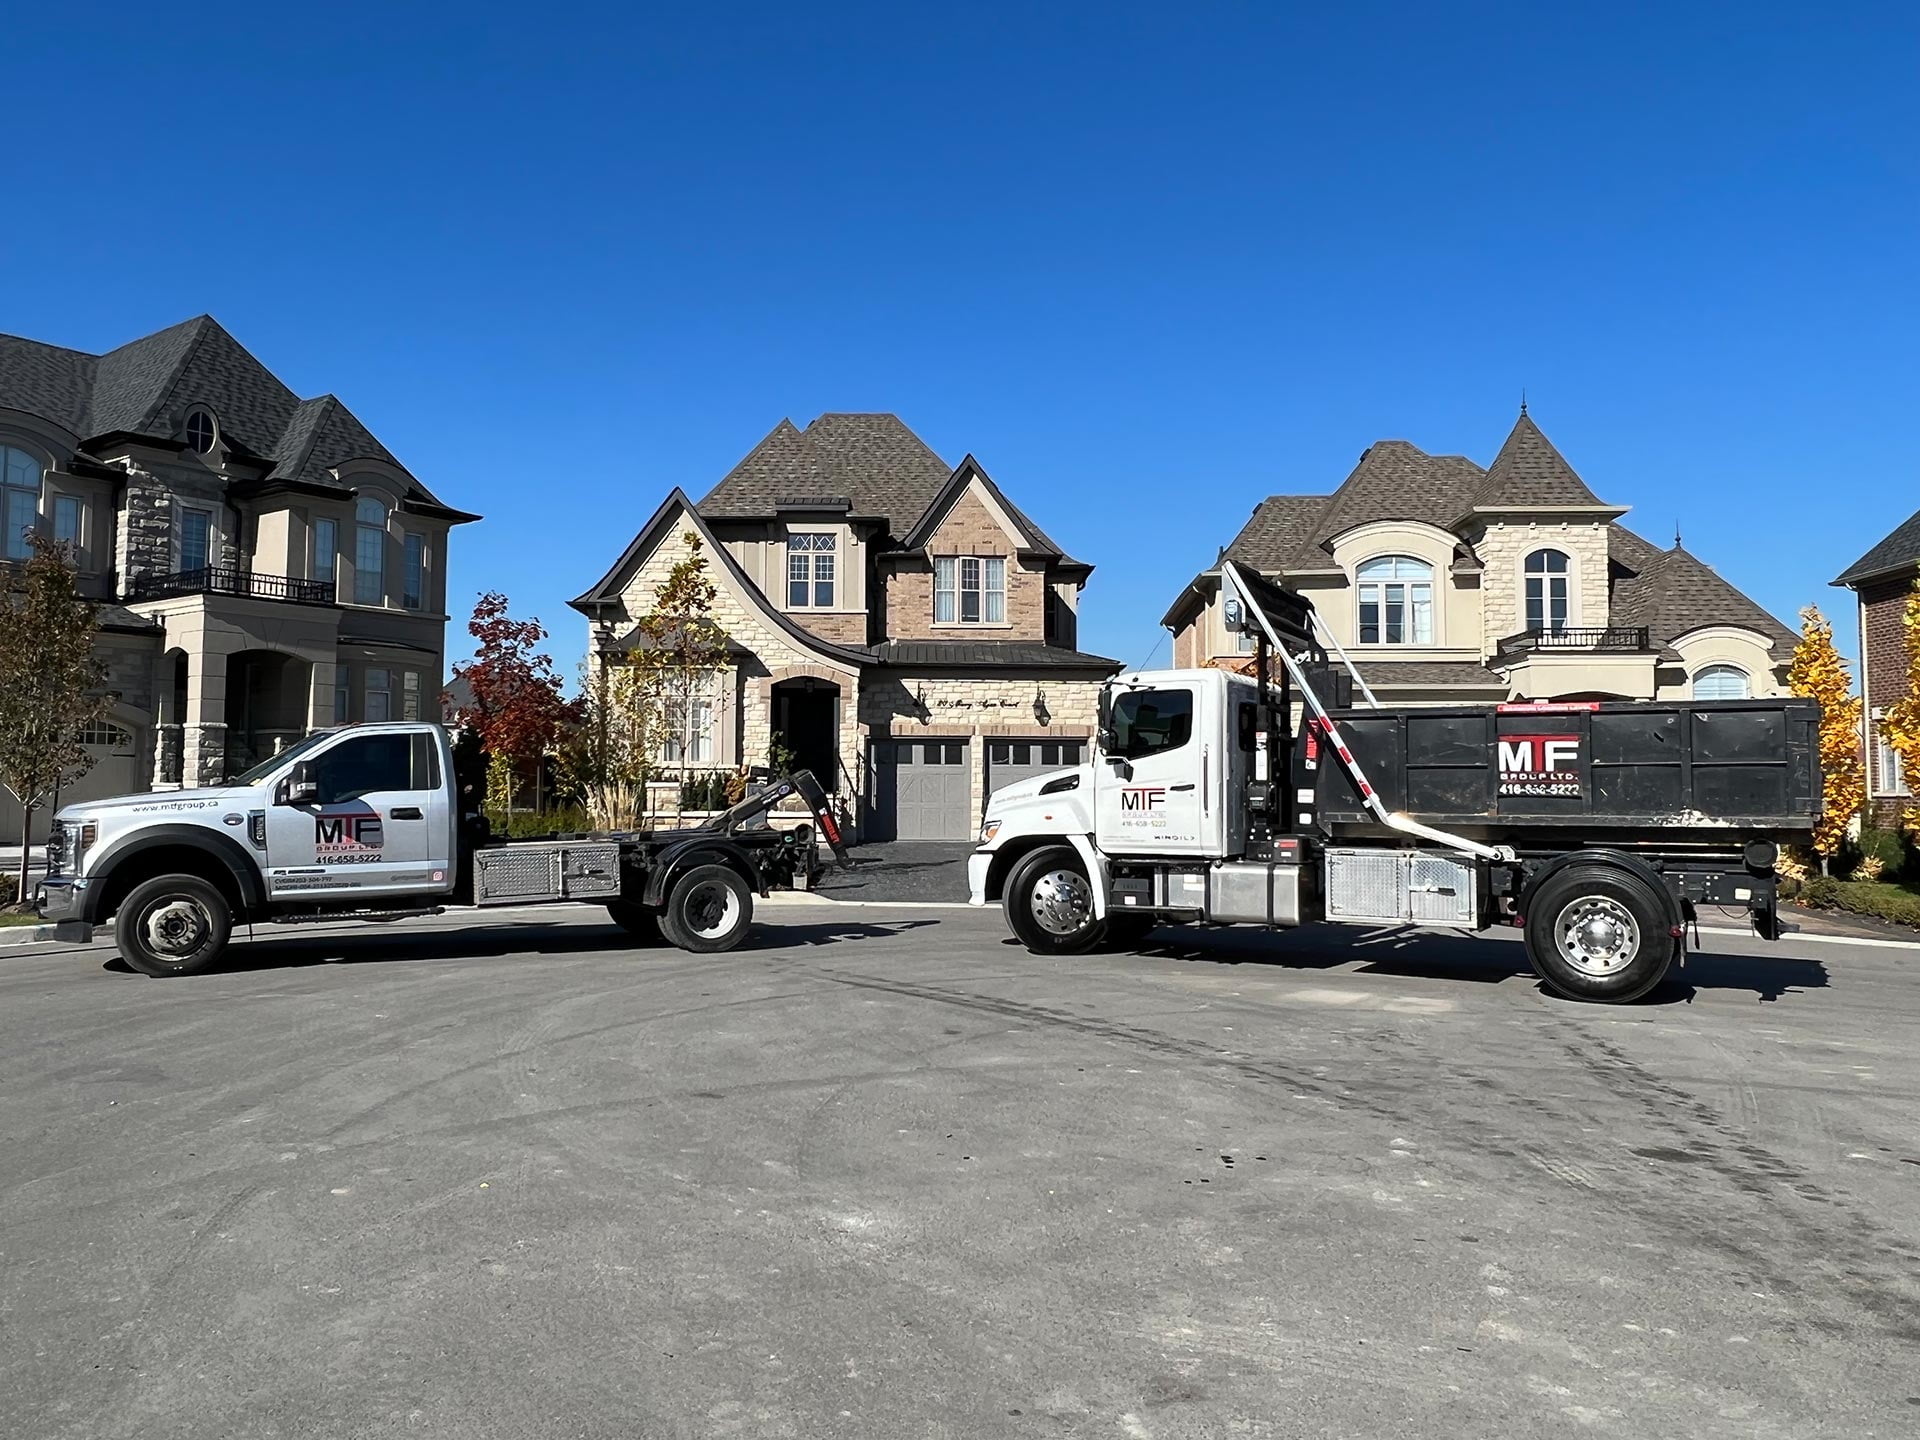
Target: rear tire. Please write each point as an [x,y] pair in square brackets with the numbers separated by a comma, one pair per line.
[1049,904]
[1601,934]
[173,925]
[709,909]
[642,922]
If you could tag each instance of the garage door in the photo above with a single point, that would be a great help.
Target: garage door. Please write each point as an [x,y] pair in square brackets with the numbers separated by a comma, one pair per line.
[923,790]
[116,771]
[1009,761]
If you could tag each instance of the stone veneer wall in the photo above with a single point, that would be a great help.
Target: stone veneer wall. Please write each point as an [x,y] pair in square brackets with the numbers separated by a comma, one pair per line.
[1504,548]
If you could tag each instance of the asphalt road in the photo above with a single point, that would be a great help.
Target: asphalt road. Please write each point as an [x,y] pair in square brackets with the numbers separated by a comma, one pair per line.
[884,1174]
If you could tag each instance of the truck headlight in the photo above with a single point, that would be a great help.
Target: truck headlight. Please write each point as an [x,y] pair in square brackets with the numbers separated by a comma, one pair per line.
[988,831]
[77,837]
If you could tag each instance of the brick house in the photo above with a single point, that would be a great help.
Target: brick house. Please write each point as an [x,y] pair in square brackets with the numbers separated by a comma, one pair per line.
[1449,583]
[1881,580]
[897,622]
[264,565]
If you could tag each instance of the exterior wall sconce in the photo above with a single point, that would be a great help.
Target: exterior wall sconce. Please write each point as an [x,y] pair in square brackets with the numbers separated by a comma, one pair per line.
[1040,712]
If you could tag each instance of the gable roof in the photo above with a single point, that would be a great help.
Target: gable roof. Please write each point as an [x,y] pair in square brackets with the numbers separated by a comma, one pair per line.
[1392,480]
[607,589]
[1899,552]
[1033,538]
[146,387]
[1529,474]
[872,461]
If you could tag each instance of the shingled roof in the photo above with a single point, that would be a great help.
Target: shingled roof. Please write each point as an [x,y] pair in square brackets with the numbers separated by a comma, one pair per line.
[873,461]
[1899,552]
[1393,480]
[1529,474]
[1673,591]
[147,386]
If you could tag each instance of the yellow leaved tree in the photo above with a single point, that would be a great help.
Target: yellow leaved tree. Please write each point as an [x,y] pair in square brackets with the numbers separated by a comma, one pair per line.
[1900,722]
[1820,674]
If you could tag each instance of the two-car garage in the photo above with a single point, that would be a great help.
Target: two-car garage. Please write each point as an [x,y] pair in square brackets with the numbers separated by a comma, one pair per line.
[925,789]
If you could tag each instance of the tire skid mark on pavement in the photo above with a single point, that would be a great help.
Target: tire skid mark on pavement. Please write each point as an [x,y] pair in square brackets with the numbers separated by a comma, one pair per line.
[1855,1258]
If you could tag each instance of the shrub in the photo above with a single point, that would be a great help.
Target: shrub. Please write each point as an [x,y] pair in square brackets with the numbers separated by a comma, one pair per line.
[1868,868]
[1820,893]
[531,825]
[1886,902]
[1892,848]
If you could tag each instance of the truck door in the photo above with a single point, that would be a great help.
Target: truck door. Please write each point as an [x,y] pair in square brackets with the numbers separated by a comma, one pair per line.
[1152,793]
[376,828]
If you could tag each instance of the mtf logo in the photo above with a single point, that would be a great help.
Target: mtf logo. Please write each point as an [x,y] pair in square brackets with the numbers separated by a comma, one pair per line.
[341,832]
[1143,797]
[1539,764]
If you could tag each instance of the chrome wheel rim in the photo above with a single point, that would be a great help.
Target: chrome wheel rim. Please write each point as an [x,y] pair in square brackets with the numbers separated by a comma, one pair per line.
[712,909]
[1062,902]
[1597,935]
[176,927]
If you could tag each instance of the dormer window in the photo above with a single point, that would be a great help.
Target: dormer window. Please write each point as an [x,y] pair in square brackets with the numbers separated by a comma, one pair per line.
[1547,591]
[810,570]
[202,431]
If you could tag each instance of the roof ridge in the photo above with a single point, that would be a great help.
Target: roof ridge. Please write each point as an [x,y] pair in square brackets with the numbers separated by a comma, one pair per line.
[49,345]
[199,323]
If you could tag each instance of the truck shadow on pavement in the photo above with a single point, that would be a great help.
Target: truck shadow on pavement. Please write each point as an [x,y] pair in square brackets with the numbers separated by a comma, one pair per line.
[1425,955]
[360,947]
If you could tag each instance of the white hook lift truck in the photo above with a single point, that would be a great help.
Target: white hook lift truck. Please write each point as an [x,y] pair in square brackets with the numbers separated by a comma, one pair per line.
[1598,828]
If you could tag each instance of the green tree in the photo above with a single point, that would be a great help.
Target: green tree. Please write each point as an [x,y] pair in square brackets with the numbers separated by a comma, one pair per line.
[49,683]
[680,649]
[516,707]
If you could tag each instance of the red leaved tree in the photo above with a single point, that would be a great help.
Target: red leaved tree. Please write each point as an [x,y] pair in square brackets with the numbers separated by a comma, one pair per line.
[514,703]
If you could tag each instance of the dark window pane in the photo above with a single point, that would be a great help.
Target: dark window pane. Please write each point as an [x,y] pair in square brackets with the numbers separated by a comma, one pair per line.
[997,753]
[823,593]
[1070,753]
[1150,722]
[1023,754]
[953,753]
[1049,754]
[797,594]
[365,766]
[903,753]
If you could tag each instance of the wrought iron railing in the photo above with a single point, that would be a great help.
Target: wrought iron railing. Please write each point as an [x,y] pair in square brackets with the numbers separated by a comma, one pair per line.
[1616,639]
[231,580]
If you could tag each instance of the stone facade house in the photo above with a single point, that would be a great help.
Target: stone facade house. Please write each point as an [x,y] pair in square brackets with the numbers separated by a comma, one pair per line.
[264,566]
[1881,580]
[1448,583]
[897,623]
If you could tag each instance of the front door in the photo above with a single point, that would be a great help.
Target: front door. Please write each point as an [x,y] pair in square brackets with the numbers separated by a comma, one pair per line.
[378,826]
[1148,786]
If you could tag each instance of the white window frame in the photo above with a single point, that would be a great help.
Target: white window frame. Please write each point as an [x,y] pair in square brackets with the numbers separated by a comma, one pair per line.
[71,544]
[1889,777]
[687,725]
[1549,581]
[365,591]
[981,579]
[1402,580]
[813,564]
[1746,681]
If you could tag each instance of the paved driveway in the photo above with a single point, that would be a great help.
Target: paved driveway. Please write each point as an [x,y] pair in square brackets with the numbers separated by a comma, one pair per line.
[884,1174]
[916,870]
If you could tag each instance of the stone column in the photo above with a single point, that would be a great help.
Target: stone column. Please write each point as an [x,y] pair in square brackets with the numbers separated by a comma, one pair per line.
[144,542]
[204,731]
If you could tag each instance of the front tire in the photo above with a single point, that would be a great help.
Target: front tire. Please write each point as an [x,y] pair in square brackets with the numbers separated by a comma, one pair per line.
[1596,933]
[173,925]
[708,910]
[1049,904]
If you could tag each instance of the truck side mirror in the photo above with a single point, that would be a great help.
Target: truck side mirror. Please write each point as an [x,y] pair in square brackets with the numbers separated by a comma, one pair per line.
[301,787]
[1104,727]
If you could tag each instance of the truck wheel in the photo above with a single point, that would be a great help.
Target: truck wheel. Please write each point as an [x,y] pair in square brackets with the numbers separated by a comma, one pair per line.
[642,922]
[1049,904]
[1595,933]
[708,909]
[173,925]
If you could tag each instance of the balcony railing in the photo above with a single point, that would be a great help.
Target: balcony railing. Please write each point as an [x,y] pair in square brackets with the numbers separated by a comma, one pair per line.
[230,580]
[1590,639]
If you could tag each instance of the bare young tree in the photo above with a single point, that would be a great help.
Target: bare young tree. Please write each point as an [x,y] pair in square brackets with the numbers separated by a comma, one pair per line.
[49,683]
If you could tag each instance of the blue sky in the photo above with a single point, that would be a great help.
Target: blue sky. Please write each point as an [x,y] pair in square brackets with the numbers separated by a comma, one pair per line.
[1148,262]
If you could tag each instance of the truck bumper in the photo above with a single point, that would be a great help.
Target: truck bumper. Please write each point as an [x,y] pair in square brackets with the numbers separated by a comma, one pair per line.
[978,864]
[63,900]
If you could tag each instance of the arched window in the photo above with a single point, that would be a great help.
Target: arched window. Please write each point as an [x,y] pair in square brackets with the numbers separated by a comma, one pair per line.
[369,551]
[1396,601]
[202,430]
[1547,591]
[1721,682]
[19,500]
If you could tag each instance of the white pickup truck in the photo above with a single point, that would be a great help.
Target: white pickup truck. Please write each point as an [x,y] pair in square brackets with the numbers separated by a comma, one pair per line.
[365,822]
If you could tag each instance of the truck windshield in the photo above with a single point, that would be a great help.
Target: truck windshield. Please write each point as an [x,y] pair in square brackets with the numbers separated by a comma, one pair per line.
[274,762]
[1151,722]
